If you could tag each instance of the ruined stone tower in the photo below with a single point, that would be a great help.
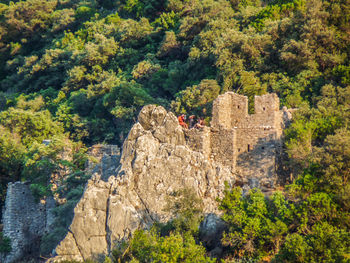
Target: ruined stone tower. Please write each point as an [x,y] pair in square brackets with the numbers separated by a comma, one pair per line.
[249,143]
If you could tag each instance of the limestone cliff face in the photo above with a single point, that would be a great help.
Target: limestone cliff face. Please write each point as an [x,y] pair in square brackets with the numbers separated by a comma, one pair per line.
[155,161]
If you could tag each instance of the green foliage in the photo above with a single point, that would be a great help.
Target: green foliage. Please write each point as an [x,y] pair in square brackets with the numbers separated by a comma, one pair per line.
[148,246]
[257,225]
[174,241]
[31,126]
[146,8]
[187,211]
[197,99]
[319,130]
[284,230]
[11,152]
[208,40]
[74,261]
[84,13]
[167,20]
[326,244]
[342,73]
[276,10]
[5,244]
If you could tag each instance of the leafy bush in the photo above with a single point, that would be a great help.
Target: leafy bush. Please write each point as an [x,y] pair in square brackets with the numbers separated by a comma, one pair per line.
[257,225]
[148,246]
[5,244]
[174,241]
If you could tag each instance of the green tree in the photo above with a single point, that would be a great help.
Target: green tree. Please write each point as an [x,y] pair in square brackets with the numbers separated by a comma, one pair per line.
[257,225]
[197,99]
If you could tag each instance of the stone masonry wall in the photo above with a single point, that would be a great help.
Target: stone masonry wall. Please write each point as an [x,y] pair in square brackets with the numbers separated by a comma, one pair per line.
[256,158]
[199,140]
[25,221]
[266,103]
[250,143]
[223,147]
[229,109]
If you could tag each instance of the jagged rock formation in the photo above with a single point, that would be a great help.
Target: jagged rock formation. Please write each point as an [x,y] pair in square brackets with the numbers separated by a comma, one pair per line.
[25,221]
[155,162]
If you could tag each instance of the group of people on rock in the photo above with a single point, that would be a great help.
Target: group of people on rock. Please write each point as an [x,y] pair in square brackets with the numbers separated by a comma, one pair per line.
[194,122]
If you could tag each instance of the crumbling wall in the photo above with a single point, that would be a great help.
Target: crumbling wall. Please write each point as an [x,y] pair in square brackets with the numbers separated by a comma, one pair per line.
[251,141]
[199,140]
[98,150]
[223,147]
[25,221]
[257,151]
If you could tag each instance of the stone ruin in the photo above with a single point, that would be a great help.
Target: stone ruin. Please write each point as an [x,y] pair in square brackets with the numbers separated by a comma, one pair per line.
[250,144]
[25,221]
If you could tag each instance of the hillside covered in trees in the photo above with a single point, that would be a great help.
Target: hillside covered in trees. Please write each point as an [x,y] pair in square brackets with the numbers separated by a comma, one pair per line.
[77,72]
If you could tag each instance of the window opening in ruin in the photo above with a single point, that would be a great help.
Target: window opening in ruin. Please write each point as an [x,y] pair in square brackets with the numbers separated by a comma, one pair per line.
[248,148]
[263,108]
[239,149]
[238,107]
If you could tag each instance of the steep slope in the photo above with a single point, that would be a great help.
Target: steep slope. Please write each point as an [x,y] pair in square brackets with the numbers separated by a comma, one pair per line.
[155,162]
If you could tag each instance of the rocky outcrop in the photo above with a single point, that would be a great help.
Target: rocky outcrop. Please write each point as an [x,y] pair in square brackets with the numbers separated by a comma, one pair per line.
[155,162]
[25,221]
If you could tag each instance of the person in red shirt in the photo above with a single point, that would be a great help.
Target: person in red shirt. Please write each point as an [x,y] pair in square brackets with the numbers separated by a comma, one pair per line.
[182,122]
